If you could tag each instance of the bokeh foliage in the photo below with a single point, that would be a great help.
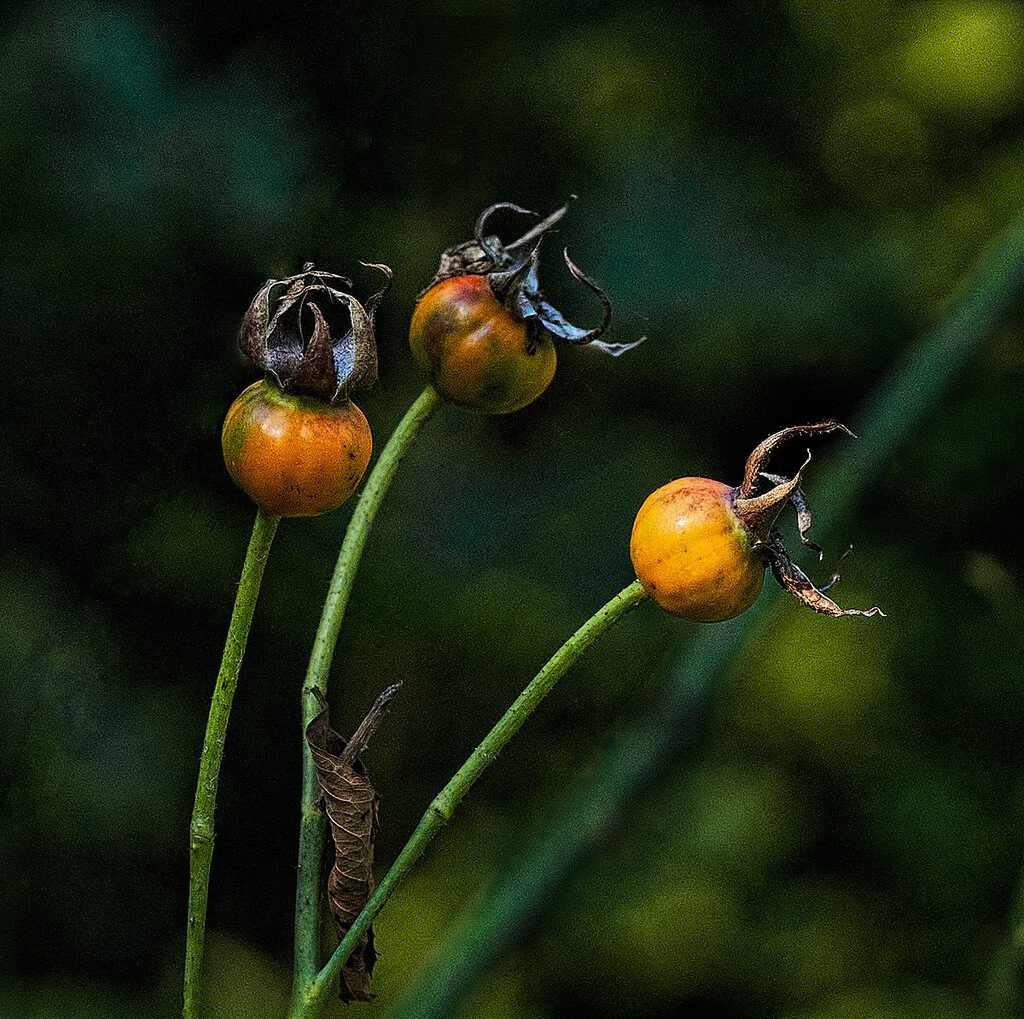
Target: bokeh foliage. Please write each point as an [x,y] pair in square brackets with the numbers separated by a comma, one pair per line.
[782,197]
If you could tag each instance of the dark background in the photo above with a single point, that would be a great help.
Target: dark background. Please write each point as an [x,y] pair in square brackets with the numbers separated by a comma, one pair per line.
[782,197]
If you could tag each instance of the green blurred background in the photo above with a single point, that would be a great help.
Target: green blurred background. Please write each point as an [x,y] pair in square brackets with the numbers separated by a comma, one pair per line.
[782,197]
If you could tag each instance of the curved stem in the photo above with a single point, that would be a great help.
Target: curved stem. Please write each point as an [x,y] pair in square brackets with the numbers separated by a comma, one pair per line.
[445,803]
[201,830]
[312,827]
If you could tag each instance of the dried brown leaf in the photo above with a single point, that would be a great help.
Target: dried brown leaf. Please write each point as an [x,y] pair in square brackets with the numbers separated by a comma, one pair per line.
[351,807]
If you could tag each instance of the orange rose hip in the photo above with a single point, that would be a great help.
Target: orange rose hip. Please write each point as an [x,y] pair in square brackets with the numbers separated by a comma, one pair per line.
[295,456]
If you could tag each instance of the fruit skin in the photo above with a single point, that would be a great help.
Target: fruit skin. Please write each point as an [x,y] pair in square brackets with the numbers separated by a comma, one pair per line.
[691,553]
[476,353]
[294,456]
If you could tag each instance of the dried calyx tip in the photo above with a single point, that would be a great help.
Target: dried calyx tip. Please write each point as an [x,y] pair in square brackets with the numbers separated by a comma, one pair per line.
[759,457]
[606,320]
[758,514]
[542,227]
[329,362]
[511,271]
[800,504]
[478,230]
[798,584]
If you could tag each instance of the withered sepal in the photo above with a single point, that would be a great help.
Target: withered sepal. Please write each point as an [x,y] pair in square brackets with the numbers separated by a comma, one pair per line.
[798,584]
[291,331]
[511,271]
[757,514]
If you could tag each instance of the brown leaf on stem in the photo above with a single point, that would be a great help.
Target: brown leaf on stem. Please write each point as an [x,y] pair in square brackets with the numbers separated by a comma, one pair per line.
[351,807]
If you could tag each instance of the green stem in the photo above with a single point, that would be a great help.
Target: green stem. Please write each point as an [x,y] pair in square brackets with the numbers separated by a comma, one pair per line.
[201,830]
[312,826]
[445,803]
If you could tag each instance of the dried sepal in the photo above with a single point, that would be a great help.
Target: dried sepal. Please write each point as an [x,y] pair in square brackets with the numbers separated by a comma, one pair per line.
[803,520]
[757,514]
[491,246]
[511,271]
[798,584]
[373,301]
[314,363]
[312,353]
[802,507]
[759,457]
[485,255]
[555,323]
[834,579]
[515,286]
[351,807]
